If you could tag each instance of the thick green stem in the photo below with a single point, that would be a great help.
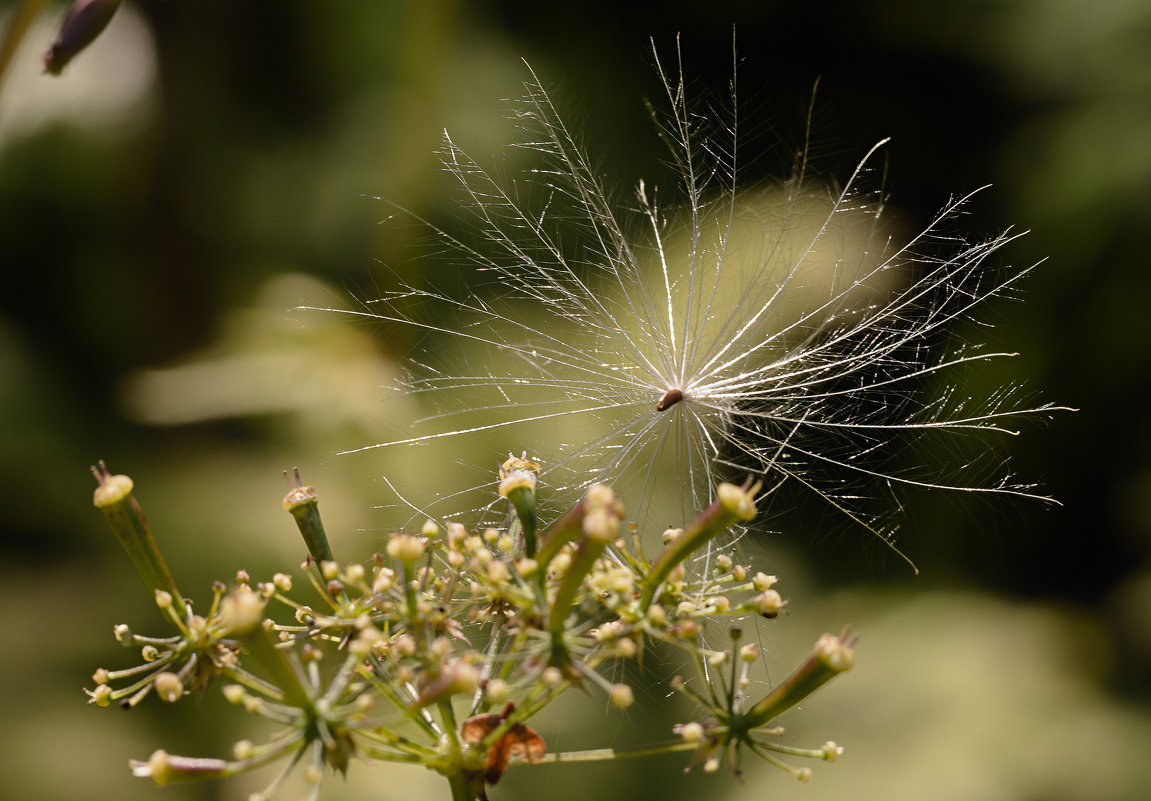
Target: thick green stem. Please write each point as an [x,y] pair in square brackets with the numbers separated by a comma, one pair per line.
[523,499]
[464,788]
[114,498]
[588,551]
[599,520]
[559,534]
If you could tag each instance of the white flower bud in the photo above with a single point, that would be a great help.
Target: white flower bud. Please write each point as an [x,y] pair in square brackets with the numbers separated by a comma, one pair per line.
[168,686]
[621,696]
[405,547]
[691,732]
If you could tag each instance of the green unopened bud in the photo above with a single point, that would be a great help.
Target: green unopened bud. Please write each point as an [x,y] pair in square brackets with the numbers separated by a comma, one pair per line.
[832,655]
[101,696]
[303,504]
[85,20]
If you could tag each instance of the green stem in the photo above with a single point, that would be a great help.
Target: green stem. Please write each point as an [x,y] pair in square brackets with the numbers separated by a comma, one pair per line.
[732,505]
[125,517]
[559,534]
[523,499]
[463,787]
[601,754]
[582,562]
[304,505]
[284,674]
[832,656]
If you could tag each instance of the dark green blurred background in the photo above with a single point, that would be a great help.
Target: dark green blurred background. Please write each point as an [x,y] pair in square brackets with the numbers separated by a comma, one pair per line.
[207,166]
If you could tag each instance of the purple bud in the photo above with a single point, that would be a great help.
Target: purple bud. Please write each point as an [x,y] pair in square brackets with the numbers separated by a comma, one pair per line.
[82,24]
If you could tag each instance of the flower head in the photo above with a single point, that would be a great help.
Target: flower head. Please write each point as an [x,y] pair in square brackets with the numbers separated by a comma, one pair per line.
[712,329]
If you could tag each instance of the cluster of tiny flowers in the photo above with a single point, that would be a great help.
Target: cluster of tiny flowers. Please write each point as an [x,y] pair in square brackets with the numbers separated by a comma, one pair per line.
[440,649]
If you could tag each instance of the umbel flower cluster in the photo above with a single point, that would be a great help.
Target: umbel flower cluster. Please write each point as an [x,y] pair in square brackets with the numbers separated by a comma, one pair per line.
[441,649]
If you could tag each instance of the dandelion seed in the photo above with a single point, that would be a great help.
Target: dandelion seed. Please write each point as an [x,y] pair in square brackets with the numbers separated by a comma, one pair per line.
[710,329]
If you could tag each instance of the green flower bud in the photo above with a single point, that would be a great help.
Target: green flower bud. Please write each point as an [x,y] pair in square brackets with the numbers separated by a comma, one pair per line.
[303,504]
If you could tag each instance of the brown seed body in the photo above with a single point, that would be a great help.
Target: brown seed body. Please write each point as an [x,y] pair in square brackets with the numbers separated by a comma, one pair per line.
[669,399]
